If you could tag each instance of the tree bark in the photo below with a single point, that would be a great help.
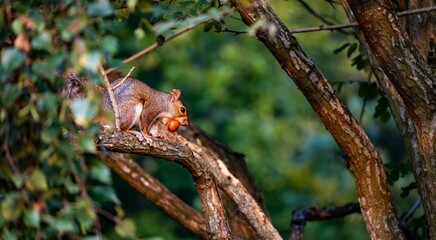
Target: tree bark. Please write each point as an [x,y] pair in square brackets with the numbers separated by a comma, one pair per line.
[365,162]
[421,29]
[410,86]
[155,192]
[200,161]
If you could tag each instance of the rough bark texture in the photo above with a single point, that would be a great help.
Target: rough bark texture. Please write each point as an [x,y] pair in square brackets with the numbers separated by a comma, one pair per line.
[214,211]
[421,29]
[200,161]
[365,163]
[238,167]
[155,192]
[410,87]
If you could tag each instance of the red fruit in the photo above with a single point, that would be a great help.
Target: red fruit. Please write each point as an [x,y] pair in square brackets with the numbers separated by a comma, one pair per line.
[173,125]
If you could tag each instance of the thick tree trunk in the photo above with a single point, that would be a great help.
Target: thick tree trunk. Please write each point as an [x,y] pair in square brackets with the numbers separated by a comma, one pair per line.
[365,163]
[411,89]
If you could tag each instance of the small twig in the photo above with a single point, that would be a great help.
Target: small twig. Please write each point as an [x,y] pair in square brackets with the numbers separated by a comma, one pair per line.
[174,35]
[300,30]
[236,32]
[82,185]
[355,24]
[124,79]
[314,13]
[415,11]
[9,157]
[412,210]
[114,219]
[317,15]
[111,96]
[322,27]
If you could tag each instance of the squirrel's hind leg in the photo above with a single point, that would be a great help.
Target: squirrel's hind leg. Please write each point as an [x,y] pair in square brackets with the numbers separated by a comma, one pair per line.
[140,136]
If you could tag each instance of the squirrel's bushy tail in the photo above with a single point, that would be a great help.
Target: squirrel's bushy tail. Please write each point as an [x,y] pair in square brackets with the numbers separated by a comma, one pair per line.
[73,85]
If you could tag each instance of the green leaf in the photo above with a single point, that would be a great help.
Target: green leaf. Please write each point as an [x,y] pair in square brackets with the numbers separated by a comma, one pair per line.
[36,182]
[132,3]
[109,44]
[351,49]
[104,194]
[71,187]
[100,172]
[339,49]
[9,235]
[139,33]
[12,59]
[10,94]
[42,42]
[217,25]
[31,218]
[44,69]
[17,26]
[86,143]
[125,228]
[406,190]
[83,112]
[90,60]
[382,110]
[100,8]
[161,28]
[60,224]
[11,207]
[85,215]
[2,221]
[48,102]
[208,26]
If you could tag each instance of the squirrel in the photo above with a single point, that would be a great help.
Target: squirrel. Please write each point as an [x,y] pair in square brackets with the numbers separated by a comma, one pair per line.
[141,105]
[138,105]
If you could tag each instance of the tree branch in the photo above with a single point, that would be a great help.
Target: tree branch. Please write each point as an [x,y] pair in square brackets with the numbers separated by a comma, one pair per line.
[110,91]
[301,216]
[409,87]
[174,35]
[155,192]
[213,207]
[393,53]
[198,160]
[331,27]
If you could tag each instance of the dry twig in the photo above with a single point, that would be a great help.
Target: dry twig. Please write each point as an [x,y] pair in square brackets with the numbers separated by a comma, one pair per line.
[111,96]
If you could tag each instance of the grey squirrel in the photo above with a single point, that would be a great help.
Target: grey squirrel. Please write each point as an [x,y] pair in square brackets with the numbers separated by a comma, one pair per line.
[143,106]
[138,105]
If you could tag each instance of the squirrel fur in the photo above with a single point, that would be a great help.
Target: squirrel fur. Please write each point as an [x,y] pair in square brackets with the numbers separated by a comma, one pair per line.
[138,104]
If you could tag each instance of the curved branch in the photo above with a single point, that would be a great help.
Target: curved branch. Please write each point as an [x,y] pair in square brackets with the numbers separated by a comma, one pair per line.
[199,161]
[155,192]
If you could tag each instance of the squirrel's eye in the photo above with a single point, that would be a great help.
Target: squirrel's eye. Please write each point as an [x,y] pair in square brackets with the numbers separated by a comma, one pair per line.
[182,110]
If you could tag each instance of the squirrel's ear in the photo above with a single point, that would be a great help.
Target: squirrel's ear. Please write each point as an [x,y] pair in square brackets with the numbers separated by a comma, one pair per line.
[175,94]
